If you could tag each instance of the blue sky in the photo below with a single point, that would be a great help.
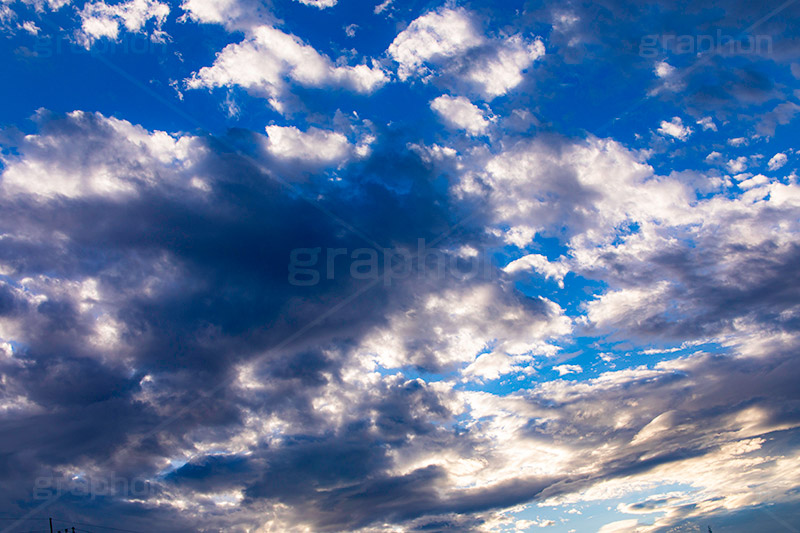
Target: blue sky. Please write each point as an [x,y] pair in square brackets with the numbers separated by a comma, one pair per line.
[321,265]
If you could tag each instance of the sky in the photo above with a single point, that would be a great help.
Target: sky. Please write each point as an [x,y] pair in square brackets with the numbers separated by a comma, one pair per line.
[398,266]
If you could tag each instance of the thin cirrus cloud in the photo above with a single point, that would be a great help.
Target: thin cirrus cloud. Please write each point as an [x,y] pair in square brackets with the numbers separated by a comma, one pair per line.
[436,289]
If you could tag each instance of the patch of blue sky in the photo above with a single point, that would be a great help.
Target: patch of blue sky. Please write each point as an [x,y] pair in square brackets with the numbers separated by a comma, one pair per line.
[591,515]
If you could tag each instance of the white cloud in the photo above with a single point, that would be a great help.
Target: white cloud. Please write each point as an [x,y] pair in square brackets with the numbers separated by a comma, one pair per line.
[211,11]
[563,370]
[314,146]
[539,263]
[100,20]
[9,18]
[435,35]
[461,113]
[383,6]
[737,165]
[319,4]
[268,59]
[671,82]
[664,69]
[440,38]
[497,74]
[675,128]
[628,306]
[525,525]
[620,526]
[738,141]
[31,27]
[777,161]
[128,159]
[586,188]
[234,15]
[455,326]
[755,181]
[707,123]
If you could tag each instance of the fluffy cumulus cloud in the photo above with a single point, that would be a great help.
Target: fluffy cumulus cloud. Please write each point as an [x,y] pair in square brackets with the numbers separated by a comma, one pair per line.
[433,37]
[269,60]
[313,147]
[234,15]
[101,20]
[577,190]
[499,73]
[428,278]
[447,42]
[675,128]
[777,161]
[454,327]
[461,113]
[55,167]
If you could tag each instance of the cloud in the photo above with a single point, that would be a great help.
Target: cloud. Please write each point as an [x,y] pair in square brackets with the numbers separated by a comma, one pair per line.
[383,6]
[319,4]
[539,263]
[620,526]
[442,330]
[707,123]
[53,167]
[498,74]
[737,165]
[133,338]
[447,43]
[234,15]
[94,288]
[672,79]
[10,22]
[100,20]
[461,113]
[151,327]
[777,161]
[675,128]
[311,147]
[281,59]
[433,37]
[569,189]
[563,370]
[781,115]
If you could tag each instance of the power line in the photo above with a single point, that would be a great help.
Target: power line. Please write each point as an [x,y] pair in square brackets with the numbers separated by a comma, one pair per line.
[101,527]
[68,530]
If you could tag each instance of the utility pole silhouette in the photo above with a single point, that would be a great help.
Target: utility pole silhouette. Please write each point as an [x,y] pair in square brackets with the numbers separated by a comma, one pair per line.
[66,529]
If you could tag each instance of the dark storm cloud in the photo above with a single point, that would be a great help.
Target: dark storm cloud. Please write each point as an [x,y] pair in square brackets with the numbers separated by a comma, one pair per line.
[196,284]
